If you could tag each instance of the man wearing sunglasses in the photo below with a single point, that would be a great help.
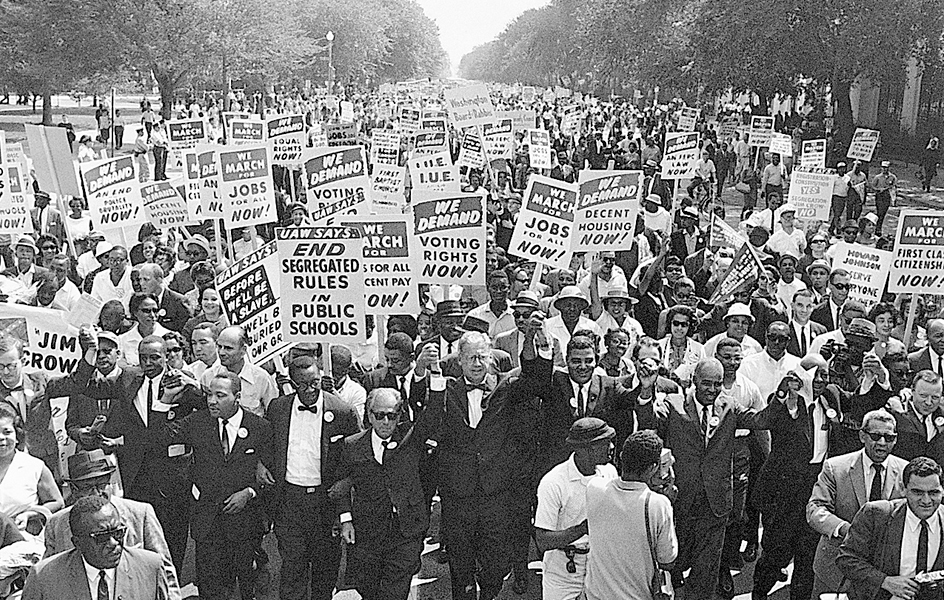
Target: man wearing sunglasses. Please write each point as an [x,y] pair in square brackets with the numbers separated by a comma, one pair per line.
[828,312]
[90,474]
[844,485]
[512,342]
[100,565]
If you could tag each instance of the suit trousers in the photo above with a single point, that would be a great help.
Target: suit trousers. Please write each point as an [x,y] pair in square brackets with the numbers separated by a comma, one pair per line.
[787,535]
[221,563]
[731,552]
[172,509]
[311,555]
[477,538]
[700,537]
[385,562]
[521,513]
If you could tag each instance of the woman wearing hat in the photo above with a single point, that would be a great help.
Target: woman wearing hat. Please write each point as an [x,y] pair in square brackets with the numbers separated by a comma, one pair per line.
[866,235]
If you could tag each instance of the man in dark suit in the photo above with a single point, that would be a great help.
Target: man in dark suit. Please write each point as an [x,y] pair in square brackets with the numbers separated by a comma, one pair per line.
[390,516]
[827,313]
[227,520]
[143,402]
[844,485]
[309,428]
[889,540]
[174,313]
[26,271]
[802,329]
[83,410]
[700,432]
[689,238]
[931,357]
[99,566]
[46,219]
[397,374]
[653,184]
[921,426]
[480,420]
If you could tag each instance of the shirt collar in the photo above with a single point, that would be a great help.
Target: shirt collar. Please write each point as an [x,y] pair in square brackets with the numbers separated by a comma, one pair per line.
[92,574]
[868,462]
[236,420]
[319,402]
[913,523]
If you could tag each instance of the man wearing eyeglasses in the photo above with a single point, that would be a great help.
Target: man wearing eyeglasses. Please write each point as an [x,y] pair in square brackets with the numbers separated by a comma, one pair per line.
[174,313]
[100,565]
[309,428]
[512,342]
[828,313]
[90,474]
[845,483]
[390,515]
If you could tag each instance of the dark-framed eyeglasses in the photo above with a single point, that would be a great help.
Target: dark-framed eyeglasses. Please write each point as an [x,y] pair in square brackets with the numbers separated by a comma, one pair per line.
[102,537]
[840,286]
[386,416]
[523,314]
[891,438]
[679,323]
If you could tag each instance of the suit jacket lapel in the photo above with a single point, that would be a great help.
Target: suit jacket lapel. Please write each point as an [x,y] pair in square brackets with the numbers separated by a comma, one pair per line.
[694,412]
[123,583]
[593,393]
[896,529]
[858,481]
[79,577]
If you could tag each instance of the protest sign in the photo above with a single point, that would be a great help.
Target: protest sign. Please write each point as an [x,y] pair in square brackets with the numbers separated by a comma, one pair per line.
[14,209]
[681,152]
[52,160]
[814,154]
[434,112]
[247,132]
[111,187]
[409,121]
[433,124]
[918,262]
[430,142]
[317,136]
[687,118]
[745,267]
[606,211]
[384,147]
[762,129]
[183,135]
[246,186]
[868,271]
[341,134]
[497,139]
[812,194]
[723,235]
[471,153]
[782,144]
[520,119]
[570,122]
[539,148]
[347,112]
[469,105]
[230,117]
[210,202]
[387,189]
[164,205]
[192,186]
[548,95]
[863,144]
[336,182]
[286,135]
[450,234]
[322,284]
[434,173]
[389,281]
[546,222]
[560,92]
[50,341]
[527,95]
[728,126]
[249,293]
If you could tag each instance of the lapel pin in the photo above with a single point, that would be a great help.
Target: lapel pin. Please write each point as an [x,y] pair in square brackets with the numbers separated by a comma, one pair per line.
[832,414]
[939,421]
[391,445]
[242,432]
[714,421]
[170,415]
[329,416]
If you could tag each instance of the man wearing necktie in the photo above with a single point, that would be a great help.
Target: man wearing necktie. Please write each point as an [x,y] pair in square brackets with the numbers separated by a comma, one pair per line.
[309,428]
[700,428]
[845,484]
[802,329]
[931,357]
[891,542]
[478,460]
[921,423]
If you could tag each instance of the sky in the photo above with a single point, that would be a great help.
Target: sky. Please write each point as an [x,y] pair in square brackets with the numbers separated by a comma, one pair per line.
[464,24]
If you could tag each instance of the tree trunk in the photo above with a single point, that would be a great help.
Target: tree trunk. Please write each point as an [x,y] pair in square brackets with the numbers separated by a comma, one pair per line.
[35,96]
[47,108]
[845,124]
[166,84]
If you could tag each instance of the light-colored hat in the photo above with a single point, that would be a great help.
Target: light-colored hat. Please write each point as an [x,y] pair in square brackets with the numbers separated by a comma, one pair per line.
[739,309]
[103,247]
[526,299]
[198,240]
[872,218]
[26,241]
[571,291]
[787,208]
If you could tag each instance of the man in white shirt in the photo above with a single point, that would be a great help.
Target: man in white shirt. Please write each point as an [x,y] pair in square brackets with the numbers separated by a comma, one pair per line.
[352,393]
[560,522]
[67,295]
[766,369]
[571,302]
[802,330]
[771,181]
[655,216]
[258,387]
[115,282]
[497,311]
[605,275]
[789,283]
[703,171]
[26,269]
[787,239]
[631,529]
[203,345]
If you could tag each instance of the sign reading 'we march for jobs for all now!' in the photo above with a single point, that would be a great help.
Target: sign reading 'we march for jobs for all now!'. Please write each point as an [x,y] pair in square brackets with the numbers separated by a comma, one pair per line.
[246,186]
[546,222]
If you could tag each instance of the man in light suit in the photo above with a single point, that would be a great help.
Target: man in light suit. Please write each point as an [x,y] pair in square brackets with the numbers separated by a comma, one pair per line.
[891,541]
[99,566]
[845,484]
[47,219]
[699,428]
[89,475]
[512,341]
[308,429]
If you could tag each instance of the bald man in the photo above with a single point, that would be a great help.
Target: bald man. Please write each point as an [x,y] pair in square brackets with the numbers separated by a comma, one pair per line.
[932,357]
[699,428]
[173,307]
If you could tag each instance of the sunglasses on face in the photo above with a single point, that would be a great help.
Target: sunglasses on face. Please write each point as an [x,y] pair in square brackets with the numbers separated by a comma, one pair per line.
[778,338]
[679,323]
[840,286]
[522,315]
[152,311]
[888,437]
[102,537]
[385,416]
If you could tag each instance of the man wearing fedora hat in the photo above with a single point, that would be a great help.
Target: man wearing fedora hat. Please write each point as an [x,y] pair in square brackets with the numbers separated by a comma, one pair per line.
[512,341]
[560,522]
[26,271]
[90,474]
[47,219]
[447,325]
[689,238]
[613,312]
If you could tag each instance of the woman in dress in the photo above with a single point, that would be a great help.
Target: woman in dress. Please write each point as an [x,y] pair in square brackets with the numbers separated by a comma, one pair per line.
[680,353]
[614,361]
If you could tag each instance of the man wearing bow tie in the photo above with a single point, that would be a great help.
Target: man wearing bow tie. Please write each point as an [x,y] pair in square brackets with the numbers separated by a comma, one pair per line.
[309,428]
[478,458]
